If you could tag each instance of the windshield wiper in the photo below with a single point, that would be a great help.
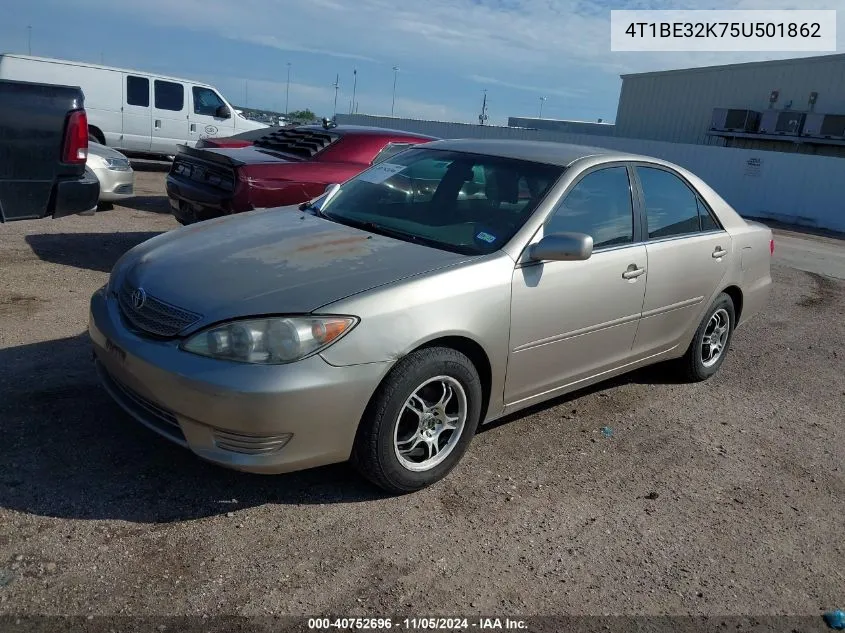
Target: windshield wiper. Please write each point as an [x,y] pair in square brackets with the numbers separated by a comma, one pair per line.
[313,208]
[381,229]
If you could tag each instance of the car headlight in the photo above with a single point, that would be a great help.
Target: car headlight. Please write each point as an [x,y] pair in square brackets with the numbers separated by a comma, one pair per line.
[118,164]
[269,341]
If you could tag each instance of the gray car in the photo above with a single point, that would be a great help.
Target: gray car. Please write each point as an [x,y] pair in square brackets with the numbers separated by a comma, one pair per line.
[456,283]
[113,170]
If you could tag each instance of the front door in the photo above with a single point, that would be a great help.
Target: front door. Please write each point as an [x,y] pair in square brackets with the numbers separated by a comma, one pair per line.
[573,320]
[688,255]
[137,113]
[170,117]
[204,119]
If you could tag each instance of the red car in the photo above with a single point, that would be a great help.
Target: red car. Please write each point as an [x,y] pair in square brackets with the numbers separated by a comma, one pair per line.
[285,166]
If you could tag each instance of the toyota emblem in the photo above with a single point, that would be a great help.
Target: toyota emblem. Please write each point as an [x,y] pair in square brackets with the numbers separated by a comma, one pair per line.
[139,298]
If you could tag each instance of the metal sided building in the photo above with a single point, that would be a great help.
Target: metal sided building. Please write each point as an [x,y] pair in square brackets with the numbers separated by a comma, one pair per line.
[782,105]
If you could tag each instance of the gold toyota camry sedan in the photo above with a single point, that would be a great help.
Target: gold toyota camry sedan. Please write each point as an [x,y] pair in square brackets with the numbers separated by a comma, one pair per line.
[457,282]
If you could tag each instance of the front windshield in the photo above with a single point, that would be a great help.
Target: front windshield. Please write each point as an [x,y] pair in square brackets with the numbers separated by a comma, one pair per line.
[461,202]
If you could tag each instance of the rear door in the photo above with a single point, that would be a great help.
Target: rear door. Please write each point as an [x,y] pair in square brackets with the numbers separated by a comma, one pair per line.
[204,121]
[170,116]
[137,113]
[688,255]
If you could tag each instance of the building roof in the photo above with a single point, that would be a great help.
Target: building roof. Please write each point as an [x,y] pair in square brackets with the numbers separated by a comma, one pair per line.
[792,61]
[563,154]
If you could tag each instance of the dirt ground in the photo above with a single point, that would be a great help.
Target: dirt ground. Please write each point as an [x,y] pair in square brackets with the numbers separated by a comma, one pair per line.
[719,498]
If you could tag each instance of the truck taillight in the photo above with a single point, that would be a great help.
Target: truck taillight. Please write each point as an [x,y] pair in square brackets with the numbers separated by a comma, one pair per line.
[75,149]
[771,247]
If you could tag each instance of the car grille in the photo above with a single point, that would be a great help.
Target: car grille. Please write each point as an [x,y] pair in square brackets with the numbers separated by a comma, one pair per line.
[213,175]
[147,412]
[154,316]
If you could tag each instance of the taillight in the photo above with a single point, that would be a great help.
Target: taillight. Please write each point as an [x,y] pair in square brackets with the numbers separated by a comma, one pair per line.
[771,247]
[75,149]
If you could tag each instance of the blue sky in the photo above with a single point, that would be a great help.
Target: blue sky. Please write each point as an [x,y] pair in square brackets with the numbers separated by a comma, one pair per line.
[448,51]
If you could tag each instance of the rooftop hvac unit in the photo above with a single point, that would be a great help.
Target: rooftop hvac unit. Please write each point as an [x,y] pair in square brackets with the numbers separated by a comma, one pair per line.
[784,122]
[830,126]
[729,120]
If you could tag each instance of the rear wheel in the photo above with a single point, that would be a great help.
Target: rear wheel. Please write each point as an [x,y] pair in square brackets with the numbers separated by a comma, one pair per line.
[710,344]
[96,136]
[420,421]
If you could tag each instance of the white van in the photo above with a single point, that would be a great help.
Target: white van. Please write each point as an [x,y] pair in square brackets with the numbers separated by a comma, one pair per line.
[136,111]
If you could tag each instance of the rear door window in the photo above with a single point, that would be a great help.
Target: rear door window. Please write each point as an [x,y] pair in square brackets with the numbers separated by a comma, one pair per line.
[671,206]
[138,91]
[169,96]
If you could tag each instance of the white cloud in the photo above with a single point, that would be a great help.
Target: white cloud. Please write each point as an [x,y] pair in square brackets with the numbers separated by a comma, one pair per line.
[520,45]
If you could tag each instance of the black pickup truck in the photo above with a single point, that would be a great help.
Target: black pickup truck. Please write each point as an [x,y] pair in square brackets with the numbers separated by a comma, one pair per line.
[43,149]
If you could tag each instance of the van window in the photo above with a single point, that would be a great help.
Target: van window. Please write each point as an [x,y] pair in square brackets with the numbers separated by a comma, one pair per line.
[206,101]
[138,91]
[169,96]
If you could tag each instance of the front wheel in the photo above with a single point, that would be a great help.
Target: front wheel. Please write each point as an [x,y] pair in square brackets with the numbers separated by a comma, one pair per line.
[420,421]
[710,344]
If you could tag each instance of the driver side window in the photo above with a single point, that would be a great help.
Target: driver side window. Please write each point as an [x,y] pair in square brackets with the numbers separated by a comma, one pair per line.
[206,101]
[598,205]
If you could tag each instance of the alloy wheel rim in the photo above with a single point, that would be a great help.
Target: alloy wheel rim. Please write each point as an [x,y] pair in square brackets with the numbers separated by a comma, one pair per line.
[430,423]
[715,337]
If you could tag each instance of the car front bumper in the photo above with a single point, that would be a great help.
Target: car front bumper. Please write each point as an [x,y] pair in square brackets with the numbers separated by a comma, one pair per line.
[115,184]
[256,418]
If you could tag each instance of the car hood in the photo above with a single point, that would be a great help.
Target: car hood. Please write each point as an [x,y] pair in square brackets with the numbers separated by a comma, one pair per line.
[96,149]
[270,262]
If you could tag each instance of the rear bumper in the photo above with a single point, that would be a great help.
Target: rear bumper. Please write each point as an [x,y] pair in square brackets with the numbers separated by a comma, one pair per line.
[76,196]
[190,202]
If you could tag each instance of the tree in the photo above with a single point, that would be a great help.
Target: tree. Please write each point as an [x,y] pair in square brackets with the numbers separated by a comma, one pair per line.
[301,115]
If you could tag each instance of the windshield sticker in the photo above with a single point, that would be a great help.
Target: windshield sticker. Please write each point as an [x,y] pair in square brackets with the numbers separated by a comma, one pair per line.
[486,237]
[380,173]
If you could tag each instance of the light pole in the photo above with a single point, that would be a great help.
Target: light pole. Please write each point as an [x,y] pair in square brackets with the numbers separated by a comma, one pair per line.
[336,88]
[393,103]
[287,93]
[354,88]
[29,39]
[542,101]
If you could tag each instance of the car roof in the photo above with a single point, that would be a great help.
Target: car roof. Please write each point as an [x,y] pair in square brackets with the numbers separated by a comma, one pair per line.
[562,154]
[364,130]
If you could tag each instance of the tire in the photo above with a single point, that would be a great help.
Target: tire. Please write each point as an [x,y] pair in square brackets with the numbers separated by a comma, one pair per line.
[388,426]
[95,136]
[695,364]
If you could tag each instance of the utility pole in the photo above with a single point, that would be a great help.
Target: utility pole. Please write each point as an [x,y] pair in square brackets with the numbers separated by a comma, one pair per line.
[287,93]
[336,88]
[483,116]
[542,101]
[29,39]
[393,103]
[354,89]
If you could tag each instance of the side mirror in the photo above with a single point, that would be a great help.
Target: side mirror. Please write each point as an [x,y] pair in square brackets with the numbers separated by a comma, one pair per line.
[562,247]
[223,112]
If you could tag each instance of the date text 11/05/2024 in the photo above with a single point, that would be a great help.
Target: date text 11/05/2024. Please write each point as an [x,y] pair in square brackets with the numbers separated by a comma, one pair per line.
[418,624]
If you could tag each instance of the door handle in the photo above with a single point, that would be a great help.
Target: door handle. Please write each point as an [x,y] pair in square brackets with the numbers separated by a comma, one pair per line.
[193,127]
[158,124]
[719,252]
[633,272]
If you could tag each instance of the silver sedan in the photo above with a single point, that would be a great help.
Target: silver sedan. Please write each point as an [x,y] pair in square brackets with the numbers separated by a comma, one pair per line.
[113,170]
[448,287]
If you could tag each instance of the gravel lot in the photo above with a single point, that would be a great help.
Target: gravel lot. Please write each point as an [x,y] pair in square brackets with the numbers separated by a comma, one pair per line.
[725,497]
